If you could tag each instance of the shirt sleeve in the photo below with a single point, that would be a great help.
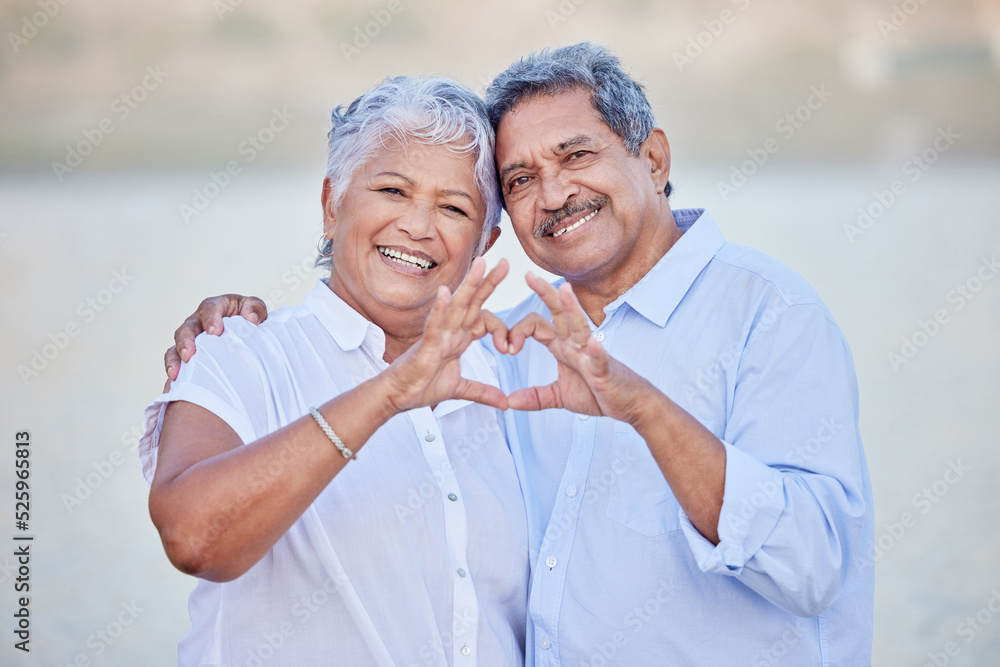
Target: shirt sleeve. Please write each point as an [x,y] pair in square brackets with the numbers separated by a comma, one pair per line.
[796,479]
[226,378]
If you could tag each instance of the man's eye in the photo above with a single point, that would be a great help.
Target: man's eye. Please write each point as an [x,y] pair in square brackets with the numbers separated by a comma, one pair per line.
[515,182]
[578,154]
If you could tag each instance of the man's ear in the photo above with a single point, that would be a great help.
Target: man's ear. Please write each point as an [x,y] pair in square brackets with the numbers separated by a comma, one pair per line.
[656,150]
[494,235]
[328,213]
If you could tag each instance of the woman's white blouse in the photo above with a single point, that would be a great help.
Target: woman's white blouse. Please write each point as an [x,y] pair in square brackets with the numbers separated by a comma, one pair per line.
[415,554]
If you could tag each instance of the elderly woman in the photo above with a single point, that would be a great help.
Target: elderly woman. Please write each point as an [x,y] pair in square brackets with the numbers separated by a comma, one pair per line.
[338,478]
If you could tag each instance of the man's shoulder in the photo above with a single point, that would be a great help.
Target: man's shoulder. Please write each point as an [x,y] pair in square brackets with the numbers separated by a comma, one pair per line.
[756,271]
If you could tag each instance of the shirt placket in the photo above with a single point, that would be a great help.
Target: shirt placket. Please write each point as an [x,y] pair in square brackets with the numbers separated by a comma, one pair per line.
[549,581]
[465,606]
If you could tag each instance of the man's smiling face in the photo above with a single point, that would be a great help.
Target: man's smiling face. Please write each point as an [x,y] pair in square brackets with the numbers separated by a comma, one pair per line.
[581,205]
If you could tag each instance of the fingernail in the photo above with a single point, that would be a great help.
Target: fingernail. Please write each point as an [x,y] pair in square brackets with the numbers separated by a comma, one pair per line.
[211,329]
[253,318]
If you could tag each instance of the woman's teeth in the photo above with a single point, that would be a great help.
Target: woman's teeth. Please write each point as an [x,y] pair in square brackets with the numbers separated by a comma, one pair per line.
[406,260]
[577,223]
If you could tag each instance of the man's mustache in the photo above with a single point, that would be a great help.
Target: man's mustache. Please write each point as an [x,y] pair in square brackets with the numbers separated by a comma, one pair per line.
[571,208]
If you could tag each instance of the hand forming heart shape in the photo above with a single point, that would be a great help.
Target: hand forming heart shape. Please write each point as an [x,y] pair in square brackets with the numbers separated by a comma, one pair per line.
[589,380]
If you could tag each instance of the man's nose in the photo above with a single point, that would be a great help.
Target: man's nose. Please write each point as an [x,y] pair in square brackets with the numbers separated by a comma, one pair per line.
[556,190]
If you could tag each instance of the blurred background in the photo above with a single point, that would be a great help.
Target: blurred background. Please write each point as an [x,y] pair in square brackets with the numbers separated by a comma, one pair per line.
[152,154]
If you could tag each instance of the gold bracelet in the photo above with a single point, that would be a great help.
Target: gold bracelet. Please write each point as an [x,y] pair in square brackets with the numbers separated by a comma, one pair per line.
[337,442]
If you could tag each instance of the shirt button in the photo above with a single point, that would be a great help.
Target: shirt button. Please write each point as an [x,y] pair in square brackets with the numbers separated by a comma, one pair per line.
[599,335]
[429,437]
[452,496]
[466,650]
[551,562]
[571,490]
[546,644]
[461,572]
[583,418]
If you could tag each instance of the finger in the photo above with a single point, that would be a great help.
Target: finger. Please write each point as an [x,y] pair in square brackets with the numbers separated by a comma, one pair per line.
[184,336]
[211,311]
[483,292]
[436,318]
[576,319]
[172,363]
[496,326]
[532,326]
[598,358]
[534,398]
[550,297]
[479,392]
[253,310]
[462,297]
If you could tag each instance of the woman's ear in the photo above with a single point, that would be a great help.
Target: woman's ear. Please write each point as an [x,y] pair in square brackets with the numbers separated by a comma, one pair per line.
[326,198]
[494,235]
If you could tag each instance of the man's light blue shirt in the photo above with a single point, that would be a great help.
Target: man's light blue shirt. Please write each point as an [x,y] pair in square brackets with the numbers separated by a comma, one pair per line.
[620,576]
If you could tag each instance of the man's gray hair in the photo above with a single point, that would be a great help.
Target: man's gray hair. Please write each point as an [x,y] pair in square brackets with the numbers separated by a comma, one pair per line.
[618,98]
[429,110]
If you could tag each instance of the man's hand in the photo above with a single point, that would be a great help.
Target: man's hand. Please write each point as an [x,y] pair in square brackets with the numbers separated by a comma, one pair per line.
[690,457]
[208,318]
[430,371]
[590,381]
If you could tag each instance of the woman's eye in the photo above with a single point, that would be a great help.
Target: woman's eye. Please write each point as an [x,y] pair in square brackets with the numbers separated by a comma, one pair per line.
[391,191]
[455,209]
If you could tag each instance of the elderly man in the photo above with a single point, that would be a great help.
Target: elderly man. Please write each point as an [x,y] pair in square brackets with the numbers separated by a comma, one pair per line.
[685,420]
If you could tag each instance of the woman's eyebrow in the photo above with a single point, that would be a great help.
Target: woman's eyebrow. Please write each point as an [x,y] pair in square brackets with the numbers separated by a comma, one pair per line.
[458,193]
[407,179]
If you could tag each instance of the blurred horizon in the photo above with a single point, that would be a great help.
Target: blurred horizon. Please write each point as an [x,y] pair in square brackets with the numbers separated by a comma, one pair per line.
[722,76]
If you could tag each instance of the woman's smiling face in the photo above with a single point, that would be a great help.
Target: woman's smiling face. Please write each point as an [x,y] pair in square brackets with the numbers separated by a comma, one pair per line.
[410,220]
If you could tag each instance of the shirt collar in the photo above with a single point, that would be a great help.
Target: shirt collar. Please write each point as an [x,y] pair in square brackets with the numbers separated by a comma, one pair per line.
[348,327]
[350,330]
[657,294]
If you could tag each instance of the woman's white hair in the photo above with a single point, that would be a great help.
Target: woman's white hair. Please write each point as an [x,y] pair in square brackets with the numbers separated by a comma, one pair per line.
[430,110]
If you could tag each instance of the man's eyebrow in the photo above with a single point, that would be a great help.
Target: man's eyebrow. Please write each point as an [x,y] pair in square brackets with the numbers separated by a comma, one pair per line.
[512,167]
[578,140]
[561,147]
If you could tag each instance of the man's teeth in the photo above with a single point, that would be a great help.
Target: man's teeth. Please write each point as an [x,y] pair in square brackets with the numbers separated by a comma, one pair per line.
[577,223]
[406,260]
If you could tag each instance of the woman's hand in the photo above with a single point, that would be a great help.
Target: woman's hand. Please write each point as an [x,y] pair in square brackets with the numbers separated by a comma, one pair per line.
[430,371]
